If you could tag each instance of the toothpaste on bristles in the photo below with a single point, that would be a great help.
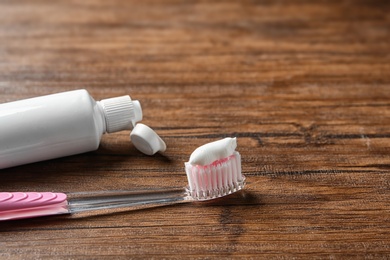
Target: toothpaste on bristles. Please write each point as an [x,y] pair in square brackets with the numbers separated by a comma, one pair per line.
[214,170]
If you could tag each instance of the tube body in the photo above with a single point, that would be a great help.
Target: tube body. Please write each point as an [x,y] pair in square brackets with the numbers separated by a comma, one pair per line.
[48,127]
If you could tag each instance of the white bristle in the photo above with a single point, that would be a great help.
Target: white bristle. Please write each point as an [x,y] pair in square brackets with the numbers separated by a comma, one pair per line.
[217,179]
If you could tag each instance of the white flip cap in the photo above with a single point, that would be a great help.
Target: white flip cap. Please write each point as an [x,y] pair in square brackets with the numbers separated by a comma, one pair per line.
[146,140]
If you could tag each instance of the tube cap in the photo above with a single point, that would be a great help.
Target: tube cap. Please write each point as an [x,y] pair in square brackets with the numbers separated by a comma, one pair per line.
[121,113]
[146,140]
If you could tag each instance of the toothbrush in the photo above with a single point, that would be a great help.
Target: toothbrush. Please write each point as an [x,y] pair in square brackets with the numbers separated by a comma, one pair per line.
[213,171]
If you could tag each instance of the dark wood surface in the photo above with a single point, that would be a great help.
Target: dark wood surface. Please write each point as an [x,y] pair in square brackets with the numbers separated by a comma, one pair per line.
[304,86]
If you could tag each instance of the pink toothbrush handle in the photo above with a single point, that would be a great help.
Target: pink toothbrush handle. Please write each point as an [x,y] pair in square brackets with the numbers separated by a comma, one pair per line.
[15,205]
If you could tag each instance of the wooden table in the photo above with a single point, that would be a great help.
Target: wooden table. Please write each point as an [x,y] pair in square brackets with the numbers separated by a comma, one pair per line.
[303,85]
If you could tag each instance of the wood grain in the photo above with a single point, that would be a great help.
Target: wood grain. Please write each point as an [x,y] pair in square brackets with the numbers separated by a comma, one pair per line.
[303,85]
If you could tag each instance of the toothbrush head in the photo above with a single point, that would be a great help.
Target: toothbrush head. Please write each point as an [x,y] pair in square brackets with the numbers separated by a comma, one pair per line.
[217,179]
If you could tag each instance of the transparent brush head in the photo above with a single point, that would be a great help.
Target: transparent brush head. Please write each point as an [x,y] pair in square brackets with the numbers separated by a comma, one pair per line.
[202,195]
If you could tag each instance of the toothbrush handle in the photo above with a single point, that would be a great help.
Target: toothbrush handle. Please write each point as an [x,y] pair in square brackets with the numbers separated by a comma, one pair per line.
[84,204]
[17,205]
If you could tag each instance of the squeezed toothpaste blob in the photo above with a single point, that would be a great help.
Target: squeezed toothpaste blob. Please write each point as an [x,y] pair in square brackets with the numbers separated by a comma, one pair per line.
[210,152]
